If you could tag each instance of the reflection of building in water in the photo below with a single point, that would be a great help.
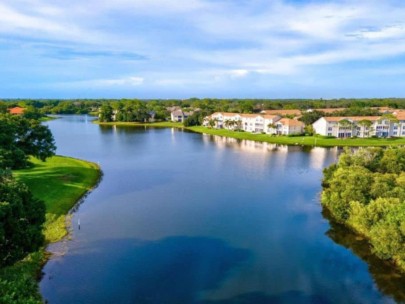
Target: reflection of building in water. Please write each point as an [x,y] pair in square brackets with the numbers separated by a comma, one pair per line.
[243,145]
[318,157]
[321,157]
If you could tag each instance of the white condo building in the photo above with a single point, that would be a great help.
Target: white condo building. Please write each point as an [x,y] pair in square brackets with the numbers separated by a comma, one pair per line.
[255,123]
[360,126]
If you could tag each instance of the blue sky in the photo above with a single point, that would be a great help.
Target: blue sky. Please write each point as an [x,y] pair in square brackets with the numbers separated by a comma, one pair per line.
[201,48]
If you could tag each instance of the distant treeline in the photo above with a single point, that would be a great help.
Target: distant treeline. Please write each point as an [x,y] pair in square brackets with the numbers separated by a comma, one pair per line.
[85,106]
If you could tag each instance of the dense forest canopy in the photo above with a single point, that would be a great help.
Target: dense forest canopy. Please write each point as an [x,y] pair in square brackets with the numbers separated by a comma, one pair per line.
[21,138]
[365,190]
[21,215]
[210,105]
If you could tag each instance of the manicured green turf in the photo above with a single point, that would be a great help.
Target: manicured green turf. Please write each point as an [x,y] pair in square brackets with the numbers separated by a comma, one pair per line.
[60,182]
[319,141]
[47,118]
[302,140]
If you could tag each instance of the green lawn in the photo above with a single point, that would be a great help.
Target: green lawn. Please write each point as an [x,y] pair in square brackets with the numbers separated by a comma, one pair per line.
[319,141]
[47,118]
[302,140]
[60,182]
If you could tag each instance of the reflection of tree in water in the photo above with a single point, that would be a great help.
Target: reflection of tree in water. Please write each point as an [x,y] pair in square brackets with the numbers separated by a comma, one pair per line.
[388,279]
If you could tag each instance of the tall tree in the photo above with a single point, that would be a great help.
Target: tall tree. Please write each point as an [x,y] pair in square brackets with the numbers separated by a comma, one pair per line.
[21,219]
[20,138]
[365,124]
[106,113]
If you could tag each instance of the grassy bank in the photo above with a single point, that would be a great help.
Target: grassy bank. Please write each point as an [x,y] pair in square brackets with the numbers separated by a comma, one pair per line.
[60,182]
[319,141]
[301,140]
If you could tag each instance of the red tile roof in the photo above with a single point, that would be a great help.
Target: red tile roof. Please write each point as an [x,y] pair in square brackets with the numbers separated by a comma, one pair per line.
[353,118]
[16,111]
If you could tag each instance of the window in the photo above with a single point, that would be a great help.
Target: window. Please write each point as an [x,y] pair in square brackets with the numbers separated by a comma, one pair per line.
[329,134]
[330,129]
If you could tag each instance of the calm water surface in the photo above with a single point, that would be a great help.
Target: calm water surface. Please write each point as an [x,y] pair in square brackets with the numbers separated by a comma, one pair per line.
[188,218]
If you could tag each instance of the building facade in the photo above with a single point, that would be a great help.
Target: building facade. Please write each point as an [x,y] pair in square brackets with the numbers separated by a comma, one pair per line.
[254,123]
[358,126]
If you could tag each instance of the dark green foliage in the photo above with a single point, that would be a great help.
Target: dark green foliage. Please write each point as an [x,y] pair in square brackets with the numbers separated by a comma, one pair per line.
[355,107]
[18,283]
[21,219]
[356,111]
[309,118]
[366,191]
[194,120]
[21,137]
[31,112]
[106,113]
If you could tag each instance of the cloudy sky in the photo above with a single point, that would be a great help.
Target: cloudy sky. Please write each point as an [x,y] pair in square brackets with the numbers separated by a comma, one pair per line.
[202,48]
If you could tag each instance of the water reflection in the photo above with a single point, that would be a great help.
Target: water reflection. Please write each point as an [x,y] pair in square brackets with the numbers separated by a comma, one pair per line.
[318,157]
[171,270]
[295,297]
[389,281]
[251,209]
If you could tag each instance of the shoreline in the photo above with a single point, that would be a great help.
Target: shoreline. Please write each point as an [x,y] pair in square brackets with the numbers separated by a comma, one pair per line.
[60,202]
[314,141]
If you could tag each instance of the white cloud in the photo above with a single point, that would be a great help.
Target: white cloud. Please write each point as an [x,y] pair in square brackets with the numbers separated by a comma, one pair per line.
[132,81]
[206,42]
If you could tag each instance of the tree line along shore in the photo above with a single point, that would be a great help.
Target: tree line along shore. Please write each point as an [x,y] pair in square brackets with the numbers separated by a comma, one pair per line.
[37,190]
[365,191]
[194,114]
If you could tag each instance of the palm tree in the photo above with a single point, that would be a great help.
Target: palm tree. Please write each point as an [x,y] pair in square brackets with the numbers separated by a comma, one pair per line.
[365,124]
[272,126]
[212,122]
[238,125]
[345,124]
[392,119]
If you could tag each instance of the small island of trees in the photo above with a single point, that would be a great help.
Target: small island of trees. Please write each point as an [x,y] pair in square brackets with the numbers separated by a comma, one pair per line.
[365,191]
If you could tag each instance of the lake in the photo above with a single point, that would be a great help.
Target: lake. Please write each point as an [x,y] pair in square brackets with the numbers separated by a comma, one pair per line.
[180,217]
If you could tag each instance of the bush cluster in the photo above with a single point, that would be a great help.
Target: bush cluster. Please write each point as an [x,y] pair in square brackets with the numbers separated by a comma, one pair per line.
[365,190]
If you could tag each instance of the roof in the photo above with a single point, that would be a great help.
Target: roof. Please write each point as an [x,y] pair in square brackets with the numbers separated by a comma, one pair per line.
[400,114]
[177,113]
[330,110]
[291,122]
[267,116]
[354,118]
[283,112]
[16,111]
[250,115]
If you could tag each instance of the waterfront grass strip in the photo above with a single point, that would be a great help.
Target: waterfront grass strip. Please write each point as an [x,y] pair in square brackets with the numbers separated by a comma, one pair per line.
[301,140]
[60,182]
[318,141]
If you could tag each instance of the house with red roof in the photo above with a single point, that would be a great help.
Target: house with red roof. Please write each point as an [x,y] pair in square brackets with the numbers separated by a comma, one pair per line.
[16,111]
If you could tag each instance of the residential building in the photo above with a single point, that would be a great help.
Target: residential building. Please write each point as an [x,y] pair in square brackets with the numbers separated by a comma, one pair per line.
[255,123]
[361,126]
[179,115]
[287,126]
[16,111]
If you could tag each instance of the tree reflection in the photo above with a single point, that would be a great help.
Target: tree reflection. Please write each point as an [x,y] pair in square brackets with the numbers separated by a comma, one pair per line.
[388,279]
